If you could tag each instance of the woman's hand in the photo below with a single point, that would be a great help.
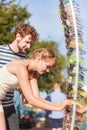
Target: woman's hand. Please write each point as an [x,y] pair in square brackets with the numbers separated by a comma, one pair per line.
[83,110]
[24,101]
[67,102]
[84,94]
[79,111]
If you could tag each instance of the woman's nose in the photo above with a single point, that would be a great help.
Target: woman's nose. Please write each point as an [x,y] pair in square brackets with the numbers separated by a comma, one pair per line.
[28,45]
[47,70]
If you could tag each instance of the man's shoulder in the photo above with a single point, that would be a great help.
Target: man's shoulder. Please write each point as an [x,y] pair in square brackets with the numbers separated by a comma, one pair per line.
[3,46]
[6,49]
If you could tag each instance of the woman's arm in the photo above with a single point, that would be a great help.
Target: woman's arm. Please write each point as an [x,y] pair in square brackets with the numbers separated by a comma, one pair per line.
[31,96]
[34,85]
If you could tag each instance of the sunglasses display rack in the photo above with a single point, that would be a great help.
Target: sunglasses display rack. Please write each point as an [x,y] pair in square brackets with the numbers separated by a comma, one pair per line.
[69,12]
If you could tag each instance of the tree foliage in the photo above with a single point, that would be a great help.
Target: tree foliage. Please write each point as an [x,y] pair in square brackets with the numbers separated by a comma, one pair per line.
[11,13]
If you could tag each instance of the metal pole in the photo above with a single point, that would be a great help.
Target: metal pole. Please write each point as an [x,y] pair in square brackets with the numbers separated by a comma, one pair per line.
[77,66]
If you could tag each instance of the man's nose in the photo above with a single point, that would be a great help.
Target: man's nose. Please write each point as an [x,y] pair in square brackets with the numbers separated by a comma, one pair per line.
[28,45]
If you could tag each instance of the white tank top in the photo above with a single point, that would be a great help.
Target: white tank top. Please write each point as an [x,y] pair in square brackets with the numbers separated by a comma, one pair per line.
[7,81]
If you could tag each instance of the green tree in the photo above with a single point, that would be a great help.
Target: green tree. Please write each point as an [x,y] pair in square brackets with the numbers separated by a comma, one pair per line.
[11,13]
[56,74]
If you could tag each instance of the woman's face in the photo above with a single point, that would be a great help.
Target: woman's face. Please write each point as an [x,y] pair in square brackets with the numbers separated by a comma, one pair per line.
[45,65]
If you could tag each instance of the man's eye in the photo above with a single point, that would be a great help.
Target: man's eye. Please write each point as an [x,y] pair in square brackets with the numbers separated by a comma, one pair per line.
[48,67]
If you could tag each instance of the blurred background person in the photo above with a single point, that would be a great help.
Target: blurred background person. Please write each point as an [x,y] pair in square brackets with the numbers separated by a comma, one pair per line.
[19,107]
[55,119]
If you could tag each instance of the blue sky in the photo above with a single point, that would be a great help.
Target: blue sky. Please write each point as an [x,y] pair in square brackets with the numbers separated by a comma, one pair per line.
[44,17]
[46,20]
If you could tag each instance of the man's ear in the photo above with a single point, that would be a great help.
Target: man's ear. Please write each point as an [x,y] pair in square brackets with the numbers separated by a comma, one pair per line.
[18,36]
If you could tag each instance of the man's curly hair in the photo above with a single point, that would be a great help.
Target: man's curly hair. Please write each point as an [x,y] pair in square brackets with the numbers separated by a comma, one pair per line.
[25,29]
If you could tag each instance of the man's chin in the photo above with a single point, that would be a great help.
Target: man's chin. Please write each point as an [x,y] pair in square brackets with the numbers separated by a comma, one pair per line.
[24,50]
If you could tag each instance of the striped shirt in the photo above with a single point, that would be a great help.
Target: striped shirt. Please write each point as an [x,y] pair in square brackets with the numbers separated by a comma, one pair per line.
[7,55]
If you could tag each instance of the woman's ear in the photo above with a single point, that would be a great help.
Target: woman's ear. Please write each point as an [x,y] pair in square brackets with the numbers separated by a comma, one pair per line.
[38,60]
[39,57]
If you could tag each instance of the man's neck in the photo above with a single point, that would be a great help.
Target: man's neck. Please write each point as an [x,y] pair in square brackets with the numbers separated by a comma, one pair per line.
[14,47]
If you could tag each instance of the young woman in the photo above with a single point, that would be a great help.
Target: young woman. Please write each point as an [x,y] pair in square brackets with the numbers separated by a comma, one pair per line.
[24,36]
[25,74]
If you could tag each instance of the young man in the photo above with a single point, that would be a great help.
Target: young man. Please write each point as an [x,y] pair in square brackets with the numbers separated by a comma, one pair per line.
[25,35]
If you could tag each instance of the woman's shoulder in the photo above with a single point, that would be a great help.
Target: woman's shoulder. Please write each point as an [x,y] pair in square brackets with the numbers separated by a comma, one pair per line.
[18,63]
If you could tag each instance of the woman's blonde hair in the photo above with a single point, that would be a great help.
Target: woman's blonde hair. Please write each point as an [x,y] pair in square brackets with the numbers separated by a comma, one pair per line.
[44,53]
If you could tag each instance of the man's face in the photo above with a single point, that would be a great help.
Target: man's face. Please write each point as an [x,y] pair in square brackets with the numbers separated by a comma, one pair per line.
[24,43]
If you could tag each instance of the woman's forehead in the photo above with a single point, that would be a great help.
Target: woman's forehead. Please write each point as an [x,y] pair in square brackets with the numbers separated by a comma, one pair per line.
[50,61]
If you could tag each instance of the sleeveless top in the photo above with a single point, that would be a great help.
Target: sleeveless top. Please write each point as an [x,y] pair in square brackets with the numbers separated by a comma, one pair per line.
[7,81]
[7,55]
